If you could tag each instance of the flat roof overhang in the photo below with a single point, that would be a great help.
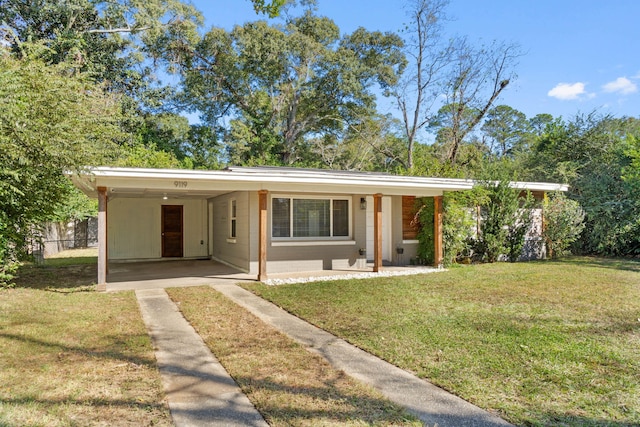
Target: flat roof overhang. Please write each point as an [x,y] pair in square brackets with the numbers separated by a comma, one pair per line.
[184,183]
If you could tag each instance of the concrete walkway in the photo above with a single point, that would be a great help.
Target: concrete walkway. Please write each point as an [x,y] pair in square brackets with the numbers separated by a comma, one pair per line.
[200,392]
[428,402]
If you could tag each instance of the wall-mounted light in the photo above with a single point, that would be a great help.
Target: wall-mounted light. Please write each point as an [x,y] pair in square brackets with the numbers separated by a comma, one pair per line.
[164,196]
[363,203]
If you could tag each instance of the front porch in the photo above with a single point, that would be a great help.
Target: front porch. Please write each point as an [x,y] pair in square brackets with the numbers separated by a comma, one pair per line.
[181,273]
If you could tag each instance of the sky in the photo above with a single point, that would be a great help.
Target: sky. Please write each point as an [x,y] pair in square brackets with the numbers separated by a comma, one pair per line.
[579,55]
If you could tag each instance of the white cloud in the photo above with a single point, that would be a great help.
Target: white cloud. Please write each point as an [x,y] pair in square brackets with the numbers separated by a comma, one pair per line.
[622,85]
[567,91]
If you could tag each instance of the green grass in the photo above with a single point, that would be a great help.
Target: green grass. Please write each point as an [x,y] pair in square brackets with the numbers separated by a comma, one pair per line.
[72,357]
[289,385]
[541,343]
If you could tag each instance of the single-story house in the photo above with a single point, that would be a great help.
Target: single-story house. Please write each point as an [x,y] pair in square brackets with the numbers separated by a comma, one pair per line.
[263,220]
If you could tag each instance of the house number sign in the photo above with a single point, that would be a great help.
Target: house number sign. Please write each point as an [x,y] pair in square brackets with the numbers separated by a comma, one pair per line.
[180,184]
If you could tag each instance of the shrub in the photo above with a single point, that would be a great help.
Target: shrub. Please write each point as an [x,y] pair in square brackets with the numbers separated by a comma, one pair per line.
[563,223]
[505,219]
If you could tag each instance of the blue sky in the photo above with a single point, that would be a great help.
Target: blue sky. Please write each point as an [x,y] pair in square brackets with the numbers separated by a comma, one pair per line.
[580,56]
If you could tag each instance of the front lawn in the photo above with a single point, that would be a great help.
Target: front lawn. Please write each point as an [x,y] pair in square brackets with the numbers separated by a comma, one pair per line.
[541,343]
[289,385]
[72,357]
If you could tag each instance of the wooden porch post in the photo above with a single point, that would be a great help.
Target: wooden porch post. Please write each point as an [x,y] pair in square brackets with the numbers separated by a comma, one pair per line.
[262,235]
[437,231]
[102,239]
[377,232]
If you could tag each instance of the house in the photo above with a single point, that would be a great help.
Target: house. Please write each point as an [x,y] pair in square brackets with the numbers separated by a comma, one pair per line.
[262,220]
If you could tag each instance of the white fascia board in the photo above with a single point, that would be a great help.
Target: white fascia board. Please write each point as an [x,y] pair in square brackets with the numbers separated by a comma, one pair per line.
[268,180]
[539,186]
[290,180]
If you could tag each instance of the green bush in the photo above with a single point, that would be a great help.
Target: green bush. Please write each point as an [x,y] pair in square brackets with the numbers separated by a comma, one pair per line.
[506,217]
[563,223]
[424,217]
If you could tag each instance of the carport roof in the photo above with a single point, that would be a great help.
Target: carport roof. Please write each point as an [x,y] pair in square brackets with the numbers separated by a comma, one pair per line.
[140,182]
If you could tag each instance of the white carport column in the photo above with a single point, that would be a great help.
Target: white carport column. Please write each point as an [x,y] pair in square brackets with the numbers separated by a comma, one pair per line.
[377,232]
[102,238]
[262,235]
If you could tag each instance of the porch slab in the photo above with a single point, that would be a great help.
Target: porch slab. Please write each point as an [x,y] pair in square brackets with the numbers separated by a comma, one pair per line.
[170,274]
[125,276]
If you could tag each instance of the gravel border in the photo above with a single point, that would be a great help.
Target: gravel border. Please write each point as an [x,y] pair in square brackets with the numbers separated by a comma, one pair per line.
[368,275]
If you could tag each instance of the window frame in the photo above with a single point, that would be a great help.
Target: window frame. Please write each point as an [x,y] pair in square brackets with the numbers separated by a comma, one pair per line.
[233,220]
[331,237]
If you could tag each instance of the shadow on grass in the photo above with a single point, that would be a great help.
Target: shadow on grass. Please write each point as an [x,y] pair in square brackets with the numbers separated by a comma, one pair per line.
[70,274]
[133,404]
[116,341]
[626,264]
[356,408]
[556,419]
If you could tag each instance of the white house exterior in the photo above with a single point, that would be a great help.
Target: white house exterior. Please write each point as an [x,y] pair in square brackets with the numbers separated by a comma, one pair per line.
[261,220]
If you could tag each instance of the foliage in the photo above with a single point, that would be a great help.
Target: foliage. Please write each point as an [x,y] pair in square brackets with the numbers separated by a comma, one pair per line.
[505,219]
[563,223]
[593,154]
[520,227]
[458,224]
[280,86]
[50,122]
[506,127]
[424,217]
[448,81]
[107,39]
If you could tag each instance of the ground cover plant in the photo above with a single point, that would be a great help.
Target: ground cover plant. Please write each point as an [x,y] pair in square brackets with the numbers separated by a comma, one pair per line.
[289,385]
[540,343]
[71,356]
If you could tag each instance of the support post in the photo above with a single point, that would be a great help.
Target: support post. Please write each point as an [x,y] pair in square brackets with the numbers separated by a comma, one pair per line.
[262,235]
[437,231]
[102,239]
[377,232]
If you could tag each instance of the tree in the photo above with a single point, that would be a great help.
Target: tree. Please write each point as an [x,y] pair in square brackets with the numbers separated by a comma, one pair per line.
[50,122]
[280,86]
[506,129]
[469,78]
[478,77]
[108,39]
[429,56]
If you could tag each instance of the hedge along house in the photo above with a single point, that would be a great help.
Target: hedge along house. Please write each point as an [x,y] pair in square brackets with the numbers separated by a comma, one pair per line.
[263,220]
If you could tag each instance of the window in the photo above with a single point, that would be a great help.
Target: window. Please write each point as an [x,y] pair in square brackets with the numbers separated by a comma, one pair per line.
[232,219]
[309,218]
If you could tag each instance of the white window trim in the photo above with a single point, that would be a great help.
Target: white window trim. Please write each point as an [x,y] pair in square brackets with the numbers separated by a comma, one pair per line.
[310,241]
[314,242]
[231,238]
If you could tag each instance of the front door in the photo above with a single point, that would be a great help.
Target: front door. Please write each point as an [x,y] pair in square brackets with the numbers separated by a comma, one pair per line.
[172,238]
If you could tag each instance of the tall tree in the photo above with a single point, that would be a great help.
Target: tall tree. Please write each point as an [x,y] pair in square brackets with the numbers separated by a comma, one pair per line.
[478,77]
[50,122]
[429,56]
[447,76]
[109,39]
[506,129]
[283,85]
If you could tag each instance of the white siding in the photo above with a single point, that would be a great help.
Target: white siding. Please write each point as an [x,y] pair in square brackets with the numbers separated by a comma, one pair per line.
[134,229]
[231,251]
